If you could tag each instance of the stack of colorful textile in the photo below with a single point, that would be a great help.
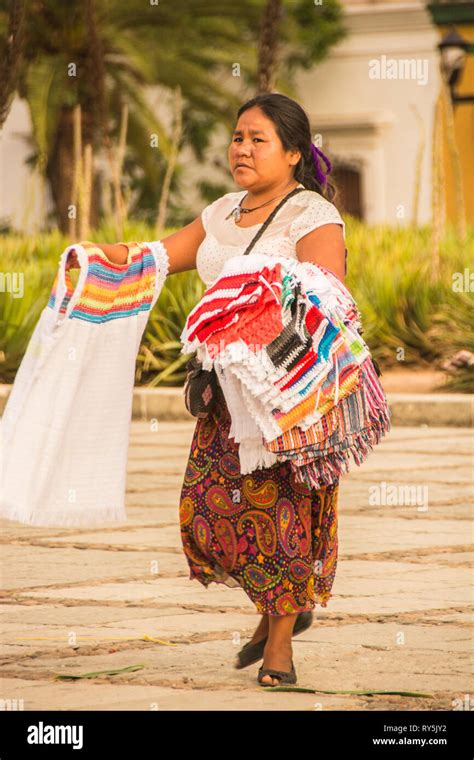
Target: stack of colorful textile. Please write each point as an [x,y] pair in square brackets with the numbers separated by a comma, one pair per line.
[284,337]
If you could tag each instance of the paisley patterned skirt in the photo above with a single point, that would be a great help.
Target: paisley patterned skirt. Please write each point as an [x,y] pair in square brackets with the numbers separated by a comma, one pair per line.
[273,537]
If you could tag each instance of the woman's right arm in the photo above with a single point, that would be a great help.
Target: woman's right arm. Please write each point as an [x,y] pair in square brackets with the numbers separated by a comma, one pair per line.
[181,247]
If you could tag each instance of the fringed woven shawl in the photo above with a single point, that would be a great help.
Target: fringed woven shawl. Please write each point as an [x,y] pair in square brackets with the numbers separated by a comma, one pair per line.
[284,337]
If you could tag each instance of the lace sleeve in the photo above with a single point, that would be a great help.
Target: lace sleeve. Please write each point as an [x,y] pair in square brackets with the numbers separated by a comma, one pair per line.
[207,212]
[318,212]
[162,263]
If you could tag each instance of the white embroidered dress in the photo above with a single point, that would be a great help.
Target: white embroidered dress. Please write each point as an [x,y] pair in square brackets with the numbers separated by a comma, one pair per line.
[302,213]
[64,432]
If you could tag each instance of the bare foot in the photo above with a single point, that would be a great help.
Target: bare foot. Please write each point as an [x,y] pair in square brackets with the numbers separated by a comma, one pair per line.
[277,657]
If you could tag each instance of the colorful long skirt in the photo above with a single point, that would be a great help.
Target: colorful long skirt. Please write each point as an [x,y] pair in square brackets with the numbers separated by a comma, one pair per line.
[262,531]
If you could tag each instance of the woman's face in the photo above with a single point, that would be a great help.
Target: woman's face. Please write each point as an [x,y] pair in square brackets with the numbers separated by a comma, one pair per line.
[256,145]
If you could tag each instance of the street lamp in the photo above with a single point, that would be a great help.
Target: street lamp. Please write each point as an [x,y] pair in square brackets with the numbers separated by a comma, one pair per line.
[453,49]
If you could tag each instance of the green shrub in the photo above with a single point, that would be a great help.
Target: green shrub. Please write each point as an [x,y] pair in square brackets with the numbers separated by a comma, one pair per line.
[406,317]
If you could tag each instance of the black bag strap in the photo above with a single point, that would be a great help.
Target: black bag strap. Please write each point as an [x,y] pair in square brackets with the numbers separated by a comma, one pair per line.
[271,217]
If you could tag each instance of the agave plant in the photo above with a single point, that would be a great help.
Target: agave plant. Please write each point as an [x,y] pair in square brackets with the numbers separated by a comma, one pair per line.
[19,315]
[387,273]
[160,361]
[402,308]
[449,337]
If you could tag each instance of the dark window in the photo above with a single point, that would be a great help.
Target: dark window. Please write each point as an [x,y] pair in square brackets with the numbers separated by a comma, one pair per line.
[349,197]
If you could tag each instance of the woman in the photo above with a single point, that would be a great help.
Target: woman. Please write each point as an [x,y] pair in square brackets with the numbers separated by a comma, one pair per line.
[275,538]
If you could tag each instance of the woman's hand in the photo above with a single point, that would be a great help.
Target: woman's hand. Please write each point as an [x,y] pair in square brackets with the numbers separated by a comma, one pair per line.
[115,252]
[72,262]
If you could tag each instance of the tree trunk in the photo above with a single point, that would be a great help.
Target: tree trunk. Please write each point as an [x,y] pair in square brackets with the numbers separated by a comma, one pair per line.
[12,55]
[60,170]
[268,46]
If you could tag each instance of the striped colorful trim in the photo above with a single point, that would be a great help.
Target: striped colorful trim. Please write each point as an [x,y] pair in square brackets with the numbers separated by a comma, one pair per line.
[348,381]
[111,291]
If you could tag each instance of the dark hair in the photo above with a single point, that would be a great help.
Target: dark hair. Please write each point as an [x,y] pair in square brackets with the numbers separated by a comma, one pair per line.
[293,128]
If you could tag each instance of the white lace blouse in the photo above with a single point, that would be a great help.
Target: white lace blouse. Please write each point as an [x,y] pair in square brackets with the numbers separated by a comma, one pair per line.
[224,238]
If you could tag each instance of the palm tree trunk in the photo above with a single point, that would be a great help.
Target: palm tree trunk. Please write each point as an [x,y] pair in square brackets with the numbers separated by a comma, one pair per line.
[177,131]
[10,66]
[268,46]
[60,170]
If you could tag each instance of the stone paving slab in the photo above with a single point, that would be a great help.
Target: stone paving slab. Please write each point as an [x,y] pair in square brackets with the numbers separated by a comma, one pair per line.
[59,614]
[50,565]
[99,696]
[357,659]
[400,616]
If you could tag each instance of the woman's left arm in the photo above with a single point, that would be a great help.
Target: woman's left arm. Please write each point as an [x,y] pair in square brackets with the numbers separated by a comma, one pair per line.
[325,246]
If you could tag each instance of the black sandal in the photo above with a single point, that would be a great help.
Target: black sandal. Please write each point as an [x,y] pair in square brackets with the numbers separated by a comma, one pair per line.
[285,676]
[251,653]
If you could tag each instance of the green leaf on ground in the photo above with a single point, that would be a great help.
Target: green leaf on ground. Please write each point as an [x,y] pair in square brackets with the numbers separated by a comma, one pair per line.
[366,692]
[69,677]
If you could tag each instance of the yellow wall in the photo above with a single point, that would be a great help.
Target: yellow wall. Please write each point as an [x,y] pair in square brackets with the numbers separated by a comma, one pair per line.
[464,130]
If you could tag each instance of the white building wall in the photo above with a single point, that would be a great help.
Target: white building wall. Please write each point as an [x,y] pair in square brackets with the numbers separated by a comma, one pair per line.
[24,198]
[369,123]
[374,124]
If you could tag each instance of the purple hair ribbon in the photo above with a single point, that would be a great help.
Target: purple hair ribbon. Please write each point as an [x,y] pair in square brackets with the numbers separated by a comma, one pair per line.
[316,152]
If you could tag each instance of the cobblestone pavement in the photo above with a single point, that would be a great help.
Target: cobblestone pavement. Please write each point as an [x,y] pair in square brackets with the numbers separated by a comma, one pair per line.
[77,601]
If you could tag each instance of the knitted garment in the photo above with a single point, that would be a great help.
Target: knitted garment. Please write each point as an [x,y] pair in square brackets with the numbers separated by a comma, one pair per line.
[320,454]
[65,428]
[298,377]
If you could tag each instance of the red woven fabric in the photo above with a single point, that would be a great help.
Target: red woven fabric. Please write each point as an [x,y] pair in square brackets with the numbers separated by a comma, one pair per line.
[257,325]
[257,321]
[226,308]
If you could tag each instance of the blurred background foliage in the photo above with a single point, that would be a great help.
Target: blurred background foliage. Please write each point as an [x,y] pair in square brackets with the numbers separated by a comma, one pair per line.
[409,319]
[100,55]
[87,70]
